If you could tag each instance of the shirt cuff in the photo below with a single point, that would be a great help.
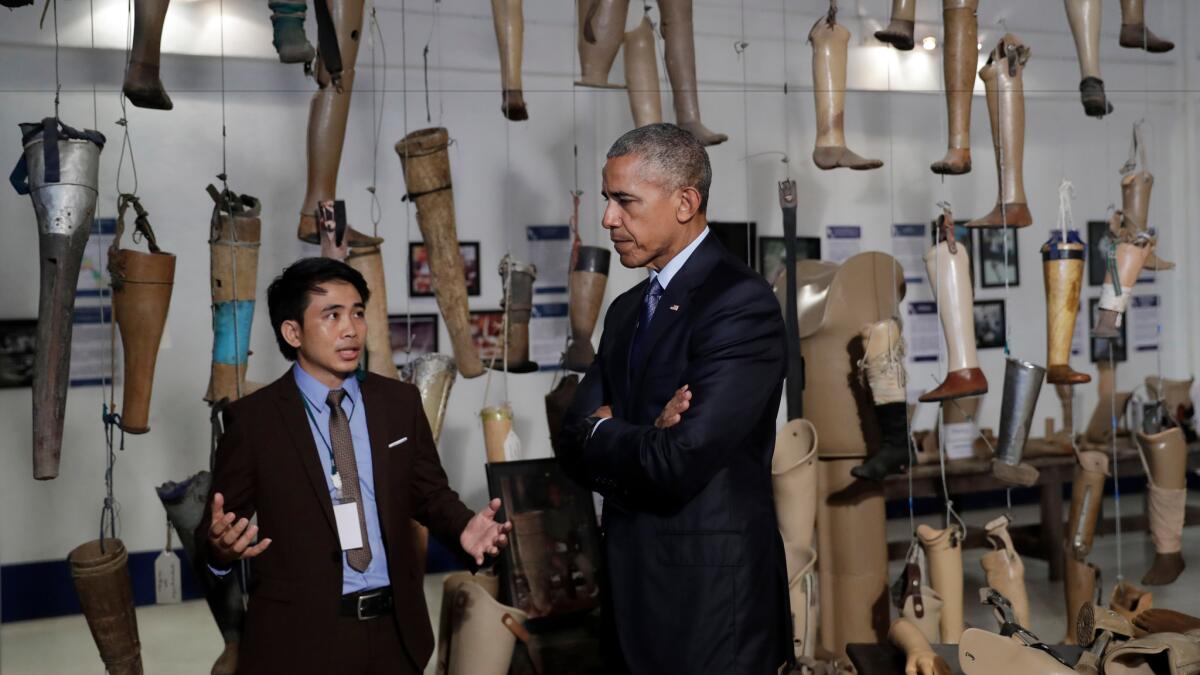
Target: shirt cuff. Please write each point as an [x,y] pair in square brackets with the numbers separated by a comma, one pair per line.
[597,426]
[219,572]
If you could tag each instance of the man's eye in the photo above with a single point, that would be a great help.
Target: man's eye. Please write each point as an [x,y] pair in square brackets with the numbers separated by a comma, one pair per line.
[605,197]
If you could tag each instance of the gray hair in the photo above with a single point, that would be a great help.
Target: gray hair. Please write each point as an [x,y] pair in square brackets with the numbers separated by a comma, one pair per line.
[672,154]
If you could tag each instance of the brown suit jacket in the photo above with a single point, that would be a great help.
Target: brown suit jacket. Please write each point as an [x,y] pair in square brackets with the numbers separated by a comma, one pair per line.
[267,463]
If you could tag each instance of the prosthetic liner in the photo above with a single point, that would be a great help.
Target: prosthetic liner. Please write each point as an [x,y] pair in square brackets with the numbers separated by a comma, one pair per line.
[235,233]
[1062,272]
[1022,384]
[1005,86]
[587,294]
[500,441]
[100,571]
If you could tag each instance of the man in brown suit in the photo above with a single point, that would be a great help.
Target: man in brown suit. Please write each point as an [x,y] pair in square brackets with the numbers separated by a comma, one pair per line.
[335,464]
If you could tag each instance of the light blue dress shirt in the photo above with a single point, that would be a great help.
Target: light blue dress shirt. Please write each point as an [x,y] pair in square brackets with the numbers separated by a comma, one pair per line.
[315,394]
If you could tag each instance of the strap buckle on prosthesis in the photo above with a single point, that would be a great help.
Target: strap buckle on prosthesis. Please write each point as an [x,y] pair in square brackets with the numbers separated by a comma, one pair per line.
[1009,627]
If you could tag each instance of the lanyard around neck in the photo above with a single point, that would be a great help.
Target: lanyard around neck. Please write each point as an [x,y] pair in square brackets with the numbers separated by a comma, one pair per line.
[333,470]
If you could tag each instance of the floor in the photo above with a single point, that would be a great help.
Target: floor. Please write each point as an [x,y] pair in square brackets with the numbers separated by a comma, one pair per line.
[181,639]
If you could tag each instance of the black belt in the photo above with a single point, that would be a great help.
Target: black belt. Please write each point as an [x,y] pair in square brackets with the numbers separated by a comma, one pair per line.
[367,604]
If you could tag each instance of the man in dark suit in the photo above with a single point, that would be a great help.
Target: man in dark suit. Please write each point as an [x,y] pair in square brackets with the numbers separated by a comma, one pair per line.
[674,424]
[336,465]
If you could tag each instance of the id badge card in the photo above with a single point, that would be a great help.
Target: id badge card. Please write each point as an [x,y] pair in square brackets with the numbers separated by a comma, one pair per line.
[345,514]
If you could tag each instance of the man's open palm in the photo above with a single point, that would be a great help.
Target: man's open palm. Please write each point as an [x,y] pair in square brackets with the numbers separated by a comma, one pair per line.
[483,535]
[231,540]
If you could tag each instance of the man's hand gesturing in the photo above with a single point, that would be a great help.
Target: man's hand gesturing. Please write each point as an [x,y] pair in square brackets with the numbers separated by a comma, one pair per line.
[483,535]
[230,540]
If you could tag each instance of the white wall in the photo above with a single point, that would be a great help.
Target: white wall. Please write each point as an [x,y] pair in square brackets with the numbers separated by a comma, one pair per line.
[507,176]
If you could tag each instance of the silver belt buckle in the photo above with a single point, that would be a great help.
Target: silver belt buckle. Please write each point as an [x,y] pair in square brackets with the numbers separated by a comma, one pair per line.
[361,601]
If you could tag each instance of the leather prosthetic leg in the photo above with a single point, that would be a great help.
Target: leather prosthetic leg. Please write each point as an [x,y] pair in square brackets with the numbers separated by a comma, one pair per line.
[943,549]
[426,165]
[680,48]
[500,441]
[518,278]
[58,170]
[1084,17]
[1087,493]
[100,571]
[919,657]
[369,262]
[287,22]
[1005,86]
[1166,452]
[1022,384]
[883,366]
[142,86]
[509,19]
[641,75]
[1134,33]
[483,632]
[899,31]
[948,268]
[233,243]
[587,294]
[959,58]
[142,284]
[1135,210]
[601,31]
[1062,272]
[830,42]
[1004,569]
[1132,250]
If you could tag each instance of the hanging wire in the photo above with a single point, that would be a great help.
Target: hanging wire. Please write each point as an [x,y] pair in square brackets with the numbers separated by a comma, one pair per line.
[57,76]
[1115,462]
[408,315]
[126,139]
[378,100]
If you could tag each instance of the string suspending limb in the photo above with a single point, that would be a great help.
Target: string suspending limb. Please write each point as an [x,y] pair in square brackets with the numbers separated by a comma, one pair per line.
[110,507]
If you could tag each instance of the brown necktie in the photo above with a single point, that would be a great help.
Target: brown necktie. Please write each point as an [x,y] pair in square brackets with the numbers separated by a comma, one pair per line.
[347,467]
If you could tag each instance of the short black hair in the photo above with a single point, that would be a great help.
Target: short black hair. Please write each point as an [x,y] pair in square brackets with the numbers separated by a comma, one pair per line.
[288,294]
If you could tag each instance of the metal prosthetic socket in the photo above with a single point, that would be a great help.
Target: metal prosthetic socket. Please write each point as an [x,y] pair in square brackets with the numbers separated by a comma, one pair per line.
[1062,272]
[1004,84]
[899,31]
[883,366]
[587,283]
[641,75]
[1166,452]
[518,278]
[680,49]
[1084,17]
[1134,34]
[1022,384]
[100,571]
[943,550]
[509,20]
[601,32]
[948,269]
[142,85]
[959,58]
[830,42]
[235,233]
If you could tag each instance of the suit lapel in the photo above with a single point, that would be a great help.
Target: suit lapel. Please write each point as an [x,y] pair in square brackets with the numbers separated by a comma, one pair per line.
[291,408]
[625,321]
[376,406]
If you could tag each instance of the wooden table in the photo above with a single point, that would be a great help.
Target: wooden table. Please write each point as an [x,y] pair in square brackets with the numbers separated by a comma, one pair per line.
[885,659]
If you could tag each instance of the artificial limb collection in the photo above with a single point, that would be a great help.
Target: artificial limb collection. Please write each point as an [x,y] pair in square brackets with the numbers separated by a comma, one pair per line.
[830,42]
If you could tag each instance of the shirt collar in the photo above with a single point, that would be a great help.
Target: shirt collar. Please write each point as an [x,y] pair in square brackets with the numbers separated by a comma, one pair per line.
[316,393]
[669,270]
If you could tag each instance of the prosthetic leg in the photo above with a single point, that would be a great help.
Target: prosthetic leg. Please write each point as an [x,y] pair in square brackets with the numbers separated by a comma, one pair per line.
[369,262]
[509,20]
[233,243]
[142,284]
[1166,453]
[1079,585]
[641,75]
[1004,569]
[830,41]
[1005,87]
[483,632]
[1084,17]
[1176,397]
[794,485]
[803,601]
[681,68]
[518,278]
[426,165]
[1086,495]
[959,58]
[1157,653]
[58,170]
[883,366]
[287,22]
[499,439]
[1022,384]
[489,583]
[601,30]
[100,571]
[1134,33]
[1132,250]
[1135,210]
[142,86]
[1062,270]
[943,549]
[919,657]
[899,31]
[587,294]
[948,268]
[1099,428]
[433,375]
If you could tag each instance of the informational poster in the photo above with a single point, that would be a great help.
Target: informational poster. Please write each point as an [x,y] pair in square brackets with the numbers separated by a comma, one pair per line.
[92,347]
[548,329]
[842,242]
[959,439]
[550,252]
[908,248]
[922,332]
[1143,322]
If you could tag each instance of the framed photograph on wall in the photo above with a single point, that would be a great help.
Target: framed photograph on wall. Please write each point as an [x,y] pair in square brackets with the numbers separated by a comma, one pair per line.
[771,252]
[992,259]
[1096,230]
[552,563]
[420,279]
[964,236]
[18,347]
[738,238]
[989,324]
[424,331]
[487,333]
[1101,347]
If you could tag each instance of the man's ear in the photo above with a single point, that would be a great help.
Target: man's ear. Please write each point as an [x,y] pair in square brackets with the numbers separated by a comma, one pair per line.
[689,204]
[291,330]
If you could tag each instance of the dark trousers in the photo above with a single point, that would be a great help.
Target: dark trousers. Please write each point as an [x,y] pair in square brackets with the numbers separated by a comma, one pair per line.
[372,647]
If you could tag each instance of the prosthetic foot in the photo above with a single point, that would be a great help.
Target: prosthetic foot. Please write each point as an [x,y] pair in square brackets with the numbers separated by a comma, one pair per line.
[142,86]
[943,550]
[509,20]
[1005,86]
[641,75]
[1132,250]
[100,571]
[287,22]
[1004,569]
[883,365]
[830,42]
[948,268]
[1084,17]
[681,69]
[1166,452]
[959,58]
[601,30]
[1062,270]
[587,294]
[1022,384]
[899,31]
[919,657]
[1134,33]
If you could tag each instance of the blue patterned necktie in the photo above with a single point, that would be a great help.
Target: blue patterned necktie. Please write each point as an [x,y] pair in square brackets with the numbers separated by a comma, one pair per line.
[649,305]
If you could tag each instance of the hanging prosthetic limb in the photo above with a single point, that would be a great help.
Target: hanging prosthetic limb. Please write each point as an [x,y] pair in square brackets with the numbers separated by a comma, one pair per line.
[100,571]
[518,278]
[919,657]
[433,375]
[1132,250]
[59,171]
[142,284]
[959,58]
[1080,581]
[369,262]
[1134,33]
[899,31]
[681,69]
[287,23]
[1084,17]
[948,268]
[500,441]
[235,233]
[1005,86]
[883,366]
[641,75]
[830,42]
[588,279]
[1136,184]
[1087,492]
[794,485]
[142,86]
[1062,270]
[1166,453]
[1022,384]
[1004,569]
[601,31]
[1176,397]
[509,19]
[426,165]
[943,550]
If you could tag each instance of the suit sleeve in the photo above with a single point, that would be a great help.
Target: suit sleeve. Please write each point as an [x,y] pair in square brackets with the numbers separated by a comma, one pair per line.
[434,504]
[233,477]
[735,366]
[572,437]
